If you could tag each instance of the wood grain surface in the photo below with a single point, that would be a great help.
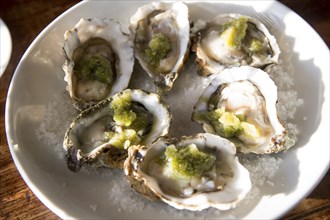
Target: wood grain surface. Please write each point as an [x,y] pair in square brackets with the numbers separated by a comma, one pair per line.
[26,19]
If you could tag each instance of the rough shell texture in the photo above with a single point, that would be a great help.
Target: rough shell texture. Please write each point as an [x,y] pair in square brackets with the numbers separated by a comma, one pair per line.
[99,152]
[176,24]
[122,46]
[278,139]
[209,65]
[236,186]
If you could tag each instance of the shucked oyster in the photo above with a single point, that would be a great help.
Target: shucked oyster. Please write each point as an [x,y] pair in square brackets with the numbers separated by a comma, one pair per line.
[233,40]
[101,135]
[240,104]
[99,61]
[161,37]
[191,173]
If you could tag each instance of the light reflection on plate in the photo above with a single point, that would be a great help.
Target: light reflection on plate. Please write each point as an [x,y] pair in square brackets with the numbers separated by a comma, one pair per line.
[85,195]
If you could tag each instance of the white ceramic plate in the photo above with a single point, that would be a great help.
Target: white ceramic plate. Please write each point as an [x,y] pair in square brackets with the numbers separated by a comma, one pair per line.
[5,46]
[85,195]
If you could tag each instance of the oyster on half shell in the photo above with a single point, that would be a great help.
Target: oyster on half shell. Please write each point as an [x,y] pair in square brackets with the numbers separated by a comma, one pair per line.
[160,33]
[240,104]
[234,40]
[193,173]
[99,61]
[101,135]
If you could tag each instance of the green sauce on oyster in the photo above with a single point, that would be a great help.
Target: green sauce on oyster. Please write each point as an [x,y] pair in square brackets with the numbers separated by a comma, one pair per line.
[159,46]
[256,46]
[121,106]
[187,162]
[94,60]
[236,34]
[123,139]
[95,67]
[250,131]
[131,122]
[225,123]
[228,124]
[234,31]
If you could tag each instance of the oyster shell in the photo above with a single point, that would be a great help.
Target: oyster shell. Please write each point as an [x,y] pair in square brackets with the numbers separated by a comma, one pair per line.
[233,40]
[99,61]
[160,32]
[222,185]
[240,104]
[101,135]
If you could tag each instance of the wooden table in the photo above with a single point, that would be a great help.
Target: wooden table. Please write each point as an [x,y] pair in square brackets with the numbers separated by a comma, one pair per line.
[26,19]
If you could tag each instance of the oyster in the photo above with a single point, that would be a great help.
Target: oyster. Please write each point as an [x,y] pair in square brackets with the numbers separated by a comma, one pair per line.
[191,173]
[240,104]
[99,61]
[160,33]
[233,40]
[101,135]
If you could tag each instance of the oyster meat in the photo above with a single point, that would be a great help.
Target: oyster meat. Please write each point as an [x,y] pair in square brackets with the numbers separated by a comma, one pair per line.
[233,40]
[240,104]
[101,135]
[193,173]
[160,33]
[99,61]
